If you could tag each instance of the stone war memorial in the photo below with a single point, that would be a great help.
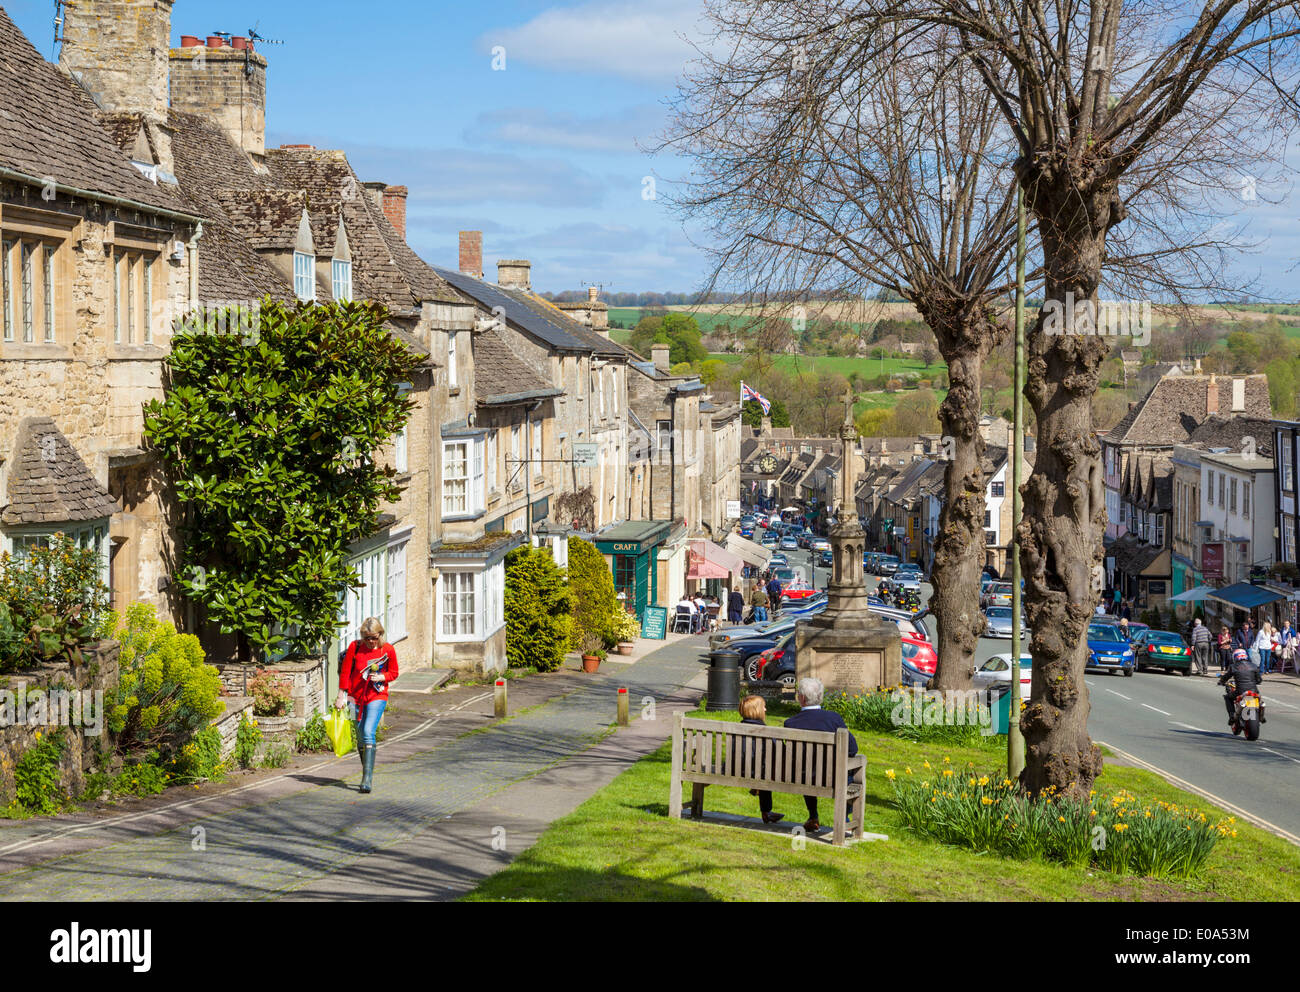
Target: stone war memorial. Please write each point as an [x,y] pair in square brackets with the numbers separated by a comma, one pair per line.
[847,647]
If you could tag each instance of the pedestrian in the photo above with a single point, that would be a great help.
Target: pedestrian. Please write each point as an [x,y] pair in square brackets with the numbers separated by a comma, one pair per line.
[1115,603]
[1244,638]
[1201,646]
[735,606]
[369,666]
[758,600]
[1126,611]
[1264,647]
[1225,647]
[774,595]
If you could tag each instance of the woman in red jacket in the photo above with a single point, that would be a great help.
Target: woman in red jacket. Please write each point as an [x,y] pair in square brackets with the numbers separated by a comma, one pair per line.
[368,667]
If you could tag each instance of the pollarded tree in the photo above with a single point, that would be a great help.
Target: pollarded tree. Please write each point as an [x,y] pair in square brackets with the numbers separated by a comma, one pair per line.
[267,434]
[1161,114]
[821,174]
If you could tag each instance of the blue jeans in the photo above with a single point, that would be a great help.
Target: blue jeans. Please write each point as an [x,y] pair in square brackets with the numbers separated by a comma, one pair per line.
[760,614]
[368,720]
[1265,661]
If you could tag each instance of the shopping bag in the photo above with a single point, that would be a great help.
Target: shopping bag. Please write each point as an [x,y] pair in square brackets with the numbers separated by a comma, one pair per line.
[339,729]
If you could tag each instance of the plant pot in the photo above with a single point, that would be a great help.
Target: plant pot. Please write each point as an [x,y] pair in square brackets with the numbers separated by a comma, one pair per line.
[590,663]
[625,647]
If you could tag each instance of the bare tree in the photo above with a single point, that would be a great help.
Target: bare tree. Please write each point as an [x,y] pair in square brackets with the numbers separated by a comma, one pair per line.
[820,174]
[1153,113]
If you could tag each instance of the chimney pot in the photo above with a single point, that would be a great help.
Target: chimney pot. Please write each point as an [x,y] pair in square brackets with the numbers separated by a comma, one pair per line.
[592,293]
[190,41]
[471,253]
[239,42]
[513,273]
[214,41]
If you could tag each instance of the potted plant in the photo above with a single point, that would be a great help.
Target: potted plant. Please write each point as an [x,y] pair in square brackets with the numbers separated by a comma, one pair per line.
[593,652]
[626,629]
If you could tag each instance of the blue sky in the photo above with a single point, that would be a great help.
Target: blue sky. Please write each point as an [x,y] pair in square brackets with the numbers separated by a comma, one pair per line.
[542,156]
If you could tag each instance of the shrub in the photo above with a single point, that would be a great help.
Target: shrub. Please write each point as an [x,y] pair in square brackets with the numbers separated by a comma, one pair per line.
[143,778]
[51,600]
[595,604]
[903,713]
[247,740]
[36,778]
[538,622]
[277,756]
[312,737]
[200,759]
[165,692]
[271,695]
[1119,833]
[626,627]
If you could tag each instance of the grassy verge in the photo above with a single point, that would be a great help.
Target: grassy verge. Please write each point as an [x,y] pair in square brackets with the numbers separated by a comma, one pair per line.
[620,845]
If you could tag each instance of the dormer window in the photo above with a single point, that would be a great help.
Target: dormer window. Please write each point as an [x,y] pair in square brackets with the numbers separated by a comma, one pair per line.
[304,276]
[341,280]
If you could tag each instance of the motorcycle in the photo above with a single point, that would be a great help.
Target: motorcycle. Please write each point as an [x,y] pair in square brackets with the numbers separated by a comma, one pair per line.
[1245,715]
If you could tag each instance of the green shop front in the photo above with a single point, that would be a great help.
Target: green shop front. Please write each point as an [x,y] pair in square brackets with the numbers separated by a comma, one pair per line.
[630,549]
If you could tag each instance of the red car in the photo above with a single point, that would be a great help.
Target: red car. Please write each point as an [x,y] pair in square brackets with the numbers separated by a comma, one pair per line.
[797,592]
[919,659]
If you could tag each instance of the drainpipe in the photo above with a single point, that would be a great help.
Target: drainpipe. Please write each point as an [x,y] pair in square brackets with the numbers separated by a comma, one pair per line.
[193,247]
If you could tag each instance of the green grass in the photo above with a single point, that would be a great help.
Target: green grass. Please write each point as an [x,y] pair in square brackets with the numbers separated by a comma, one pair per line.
[620,845]
[869,367]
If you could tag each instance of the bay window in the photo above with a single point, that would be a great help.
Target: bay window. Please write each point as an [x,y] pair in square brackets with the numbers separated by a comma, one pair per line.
[462,477]
[471,602]
[381,573]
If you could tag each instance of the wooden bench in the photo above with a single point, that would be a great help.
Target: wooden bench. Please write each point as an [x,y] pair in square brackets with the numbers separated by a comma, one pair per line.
[779,759]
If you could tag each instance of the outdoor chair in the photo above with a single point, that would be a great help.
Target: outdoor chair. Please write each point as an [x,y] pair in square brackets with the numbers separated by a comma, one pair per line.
[682,621]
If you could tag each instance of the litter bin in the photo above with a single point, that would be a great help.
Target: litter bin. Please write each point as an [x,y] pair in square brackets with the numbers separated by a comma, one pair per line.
[1002,710]
[724,680]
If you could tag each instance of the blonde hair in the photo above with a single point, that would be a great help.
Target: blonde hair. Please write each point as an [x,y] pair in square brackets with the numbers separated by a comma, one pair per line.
[753,708]
[372,626]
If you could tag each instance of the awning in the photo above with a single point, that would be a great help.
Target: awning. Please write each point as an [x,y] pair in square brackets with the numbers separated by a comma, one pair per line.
[1244,596]
[707,560]
[1194,595]
[791,509]
[748,551]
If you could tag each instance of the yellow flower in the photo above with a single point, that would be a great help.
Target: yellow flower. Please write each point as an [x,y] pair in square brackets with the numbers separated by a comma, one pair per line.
[889,774]
[984,780]
[986,801]
[909,771]
[947,773]
[947,760]
[1060,819]
[927,764]
[38,735]
[1121,826]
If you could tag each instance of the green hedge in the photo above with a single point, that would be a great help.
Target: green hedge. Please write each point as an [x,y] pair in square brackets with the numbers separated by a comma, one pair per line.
[538,623]
[595,603]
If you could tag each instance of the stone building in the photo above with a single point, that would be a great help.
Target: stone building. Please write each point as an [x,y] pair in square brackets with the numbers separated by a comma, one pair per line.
[93,256]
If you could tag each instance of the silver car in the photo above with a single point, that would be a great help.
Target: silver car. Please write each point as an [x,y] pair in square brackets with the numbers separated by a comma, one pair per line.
[998,622]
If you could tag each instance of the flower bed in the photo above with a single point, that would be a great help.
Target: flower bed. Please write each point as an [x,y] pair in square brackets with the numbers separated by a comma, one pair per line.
[1118,833]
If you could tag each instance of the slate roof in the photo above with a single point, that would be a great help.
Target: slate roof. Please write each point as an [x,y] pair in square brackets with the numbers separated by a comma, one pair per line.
[501,376]
[267,218]
[907,482]
[48,481]
[1177,404]
[515,310]
[1131,555]
[1228,432]
[48,128]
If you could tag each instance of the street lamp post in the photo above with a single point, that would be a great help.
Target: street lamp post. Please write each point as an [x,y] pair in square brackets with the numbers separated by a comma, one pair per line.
[1015,740]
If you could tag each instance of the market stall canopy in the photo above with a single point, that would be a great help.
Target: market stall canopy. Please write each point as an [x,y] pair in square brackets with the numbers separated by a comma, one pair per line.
[748,551]
[1193,595]
[707,560]
[791,509]
[1244,596]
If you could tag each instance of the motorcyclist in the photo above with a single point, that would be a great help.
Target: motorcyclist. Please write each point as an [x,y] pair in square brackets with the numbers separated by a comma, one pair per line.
[1245,678]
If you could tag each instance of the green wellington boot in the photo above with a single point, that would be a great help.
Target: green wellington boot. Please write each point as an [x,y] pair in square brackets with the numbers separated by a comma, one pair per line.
[368,764]
[361,752]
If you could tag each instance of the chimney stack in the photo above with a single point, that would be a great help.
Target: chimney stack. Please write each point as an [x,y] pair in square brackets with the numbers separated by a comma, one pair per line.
[118,50]
[512,273]
[471,254]
[393,204]
[1212,395]
[224,84]
[659,355]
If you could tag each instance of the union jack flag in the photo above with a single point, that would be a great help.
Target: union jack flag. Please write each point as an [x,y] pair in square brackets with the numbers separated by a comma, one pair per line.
[746,393]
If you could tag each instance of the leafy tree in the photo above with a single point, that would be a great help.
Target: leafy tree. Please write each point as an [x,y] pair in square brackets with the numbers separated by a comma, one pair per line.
[269,445]
[538,621]
[594,601]
[648,330]
[684,335]
[710,370]
[752,414]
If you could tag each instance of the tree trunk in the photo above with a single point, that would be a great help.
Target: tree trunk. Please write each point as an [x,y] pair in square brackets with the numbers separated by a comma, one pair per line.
[965,339]
[1064,498]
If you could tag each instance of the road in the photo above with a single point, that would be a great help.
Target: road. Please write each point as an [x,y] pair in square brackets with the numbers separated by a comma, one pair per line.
[1178,724]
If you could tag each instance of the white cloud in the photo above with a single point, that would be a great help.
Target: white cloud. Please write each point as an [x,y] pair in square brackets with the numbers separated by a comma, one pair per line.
[636,40]
[536,126]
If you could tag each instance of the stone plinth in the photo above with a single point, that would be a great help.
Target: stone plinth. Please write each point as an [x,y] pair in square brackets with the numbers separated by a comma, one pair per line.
[849,653]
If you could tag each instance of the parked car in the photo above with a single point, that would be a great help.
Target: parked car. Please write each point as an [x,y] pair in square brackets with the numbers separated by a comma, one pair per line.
[777,559]
[886,565]
[919,660]
[821,544]
[825,558]
[997,594]
[1107,648]
[996,673]
[769,539]
[1161,649]
[789,543]
[998,622]
[746,530]
[805,538]
[779,663]
[784,574]
[797,591]
[749,648]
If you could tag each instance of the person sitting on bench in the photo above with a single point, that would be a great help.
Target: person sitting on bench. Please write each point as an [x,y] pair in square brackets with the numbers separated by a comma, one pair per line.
[811,716]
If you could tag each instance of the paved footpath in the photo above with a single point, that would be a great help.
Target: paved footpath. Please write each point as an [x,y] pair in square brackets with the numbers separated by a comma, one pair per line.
[447,811]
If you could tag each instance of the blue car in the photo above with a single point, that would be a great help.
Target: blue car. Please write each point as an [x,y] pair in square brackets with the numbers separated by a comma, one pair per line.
[1108,649]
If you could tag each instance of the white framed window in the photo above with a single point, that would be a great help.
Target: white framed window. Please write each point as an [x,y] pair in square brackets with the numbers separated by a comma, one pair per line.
[93,536]
[400,461]
[1232,495]
[1288,539]
[598,375]
[304,276]
[462,477]
[537,451]
[395,620]
[1281,444]
[612,375]
[1245,500]
[1209,488]
[1222,502]
[492,462]
[514,470]
[457,605]
[341,280]
[453,380]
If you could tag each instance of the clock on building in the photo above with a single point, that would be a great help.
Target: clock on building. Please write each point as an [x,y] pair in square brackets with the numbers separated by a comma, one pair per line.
[767,464]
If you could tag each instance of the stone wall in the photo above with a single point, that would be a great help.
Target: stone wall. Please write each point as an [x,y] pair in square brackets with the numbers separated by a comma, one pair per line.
[98,673]
[214,83]
[118,49]
[306,676]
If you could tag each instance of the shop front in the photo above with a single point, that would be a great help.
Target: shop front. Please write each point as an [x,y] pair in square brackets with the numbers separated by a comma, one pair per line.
[630,550]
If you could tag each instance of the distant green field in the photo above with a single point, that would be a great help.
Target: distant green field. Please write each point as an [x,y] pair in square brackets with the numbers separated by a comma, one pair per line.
[708,322]
[869,367]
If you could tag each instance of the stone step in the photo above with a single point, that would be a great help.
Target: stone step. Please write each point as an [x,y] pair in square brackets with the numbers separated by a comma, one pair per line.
[425,680]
